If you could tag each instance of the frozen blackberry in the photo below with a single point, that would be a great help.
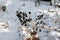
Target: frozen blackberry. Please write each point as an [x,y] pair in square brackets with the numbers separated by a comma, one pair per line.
[37,22]
[20,12]
[20,20]
[16,11]
[41,22]
[23,18]
[24,14]
[40,16]
[25,24]
[24,21]
[39,30]
[18,15]
[29,12]
[4,8]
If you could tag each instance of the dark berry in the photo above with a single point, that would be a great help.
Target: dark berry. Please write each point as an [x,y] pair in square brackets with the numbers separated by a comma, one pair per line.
[25,24]
[37,23]
[16,11]
[23,18]
[39,30]
[3,8]
[29,12]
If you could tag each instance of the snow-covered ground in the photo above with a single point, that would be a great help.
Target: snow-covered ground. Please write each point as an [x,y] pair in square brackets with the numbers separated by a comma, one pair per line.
[10,19]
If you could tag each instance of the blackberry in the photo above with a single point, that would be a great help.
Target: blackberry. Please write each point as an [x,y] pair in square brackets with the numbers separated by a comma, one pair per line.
[20,12]
[25,24]
[23,18]
[29,12]
[39,30]
[4,8]
[16,11]
[37,23]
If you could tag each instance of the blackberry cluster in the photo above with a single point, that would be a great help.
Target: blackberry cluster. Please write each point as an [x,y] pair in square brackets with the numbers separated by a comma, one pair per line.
[22,17]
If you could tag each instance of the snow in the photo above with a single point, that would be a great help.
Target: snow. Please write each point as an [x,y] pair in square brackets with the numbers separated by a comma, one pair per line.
[10,19]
